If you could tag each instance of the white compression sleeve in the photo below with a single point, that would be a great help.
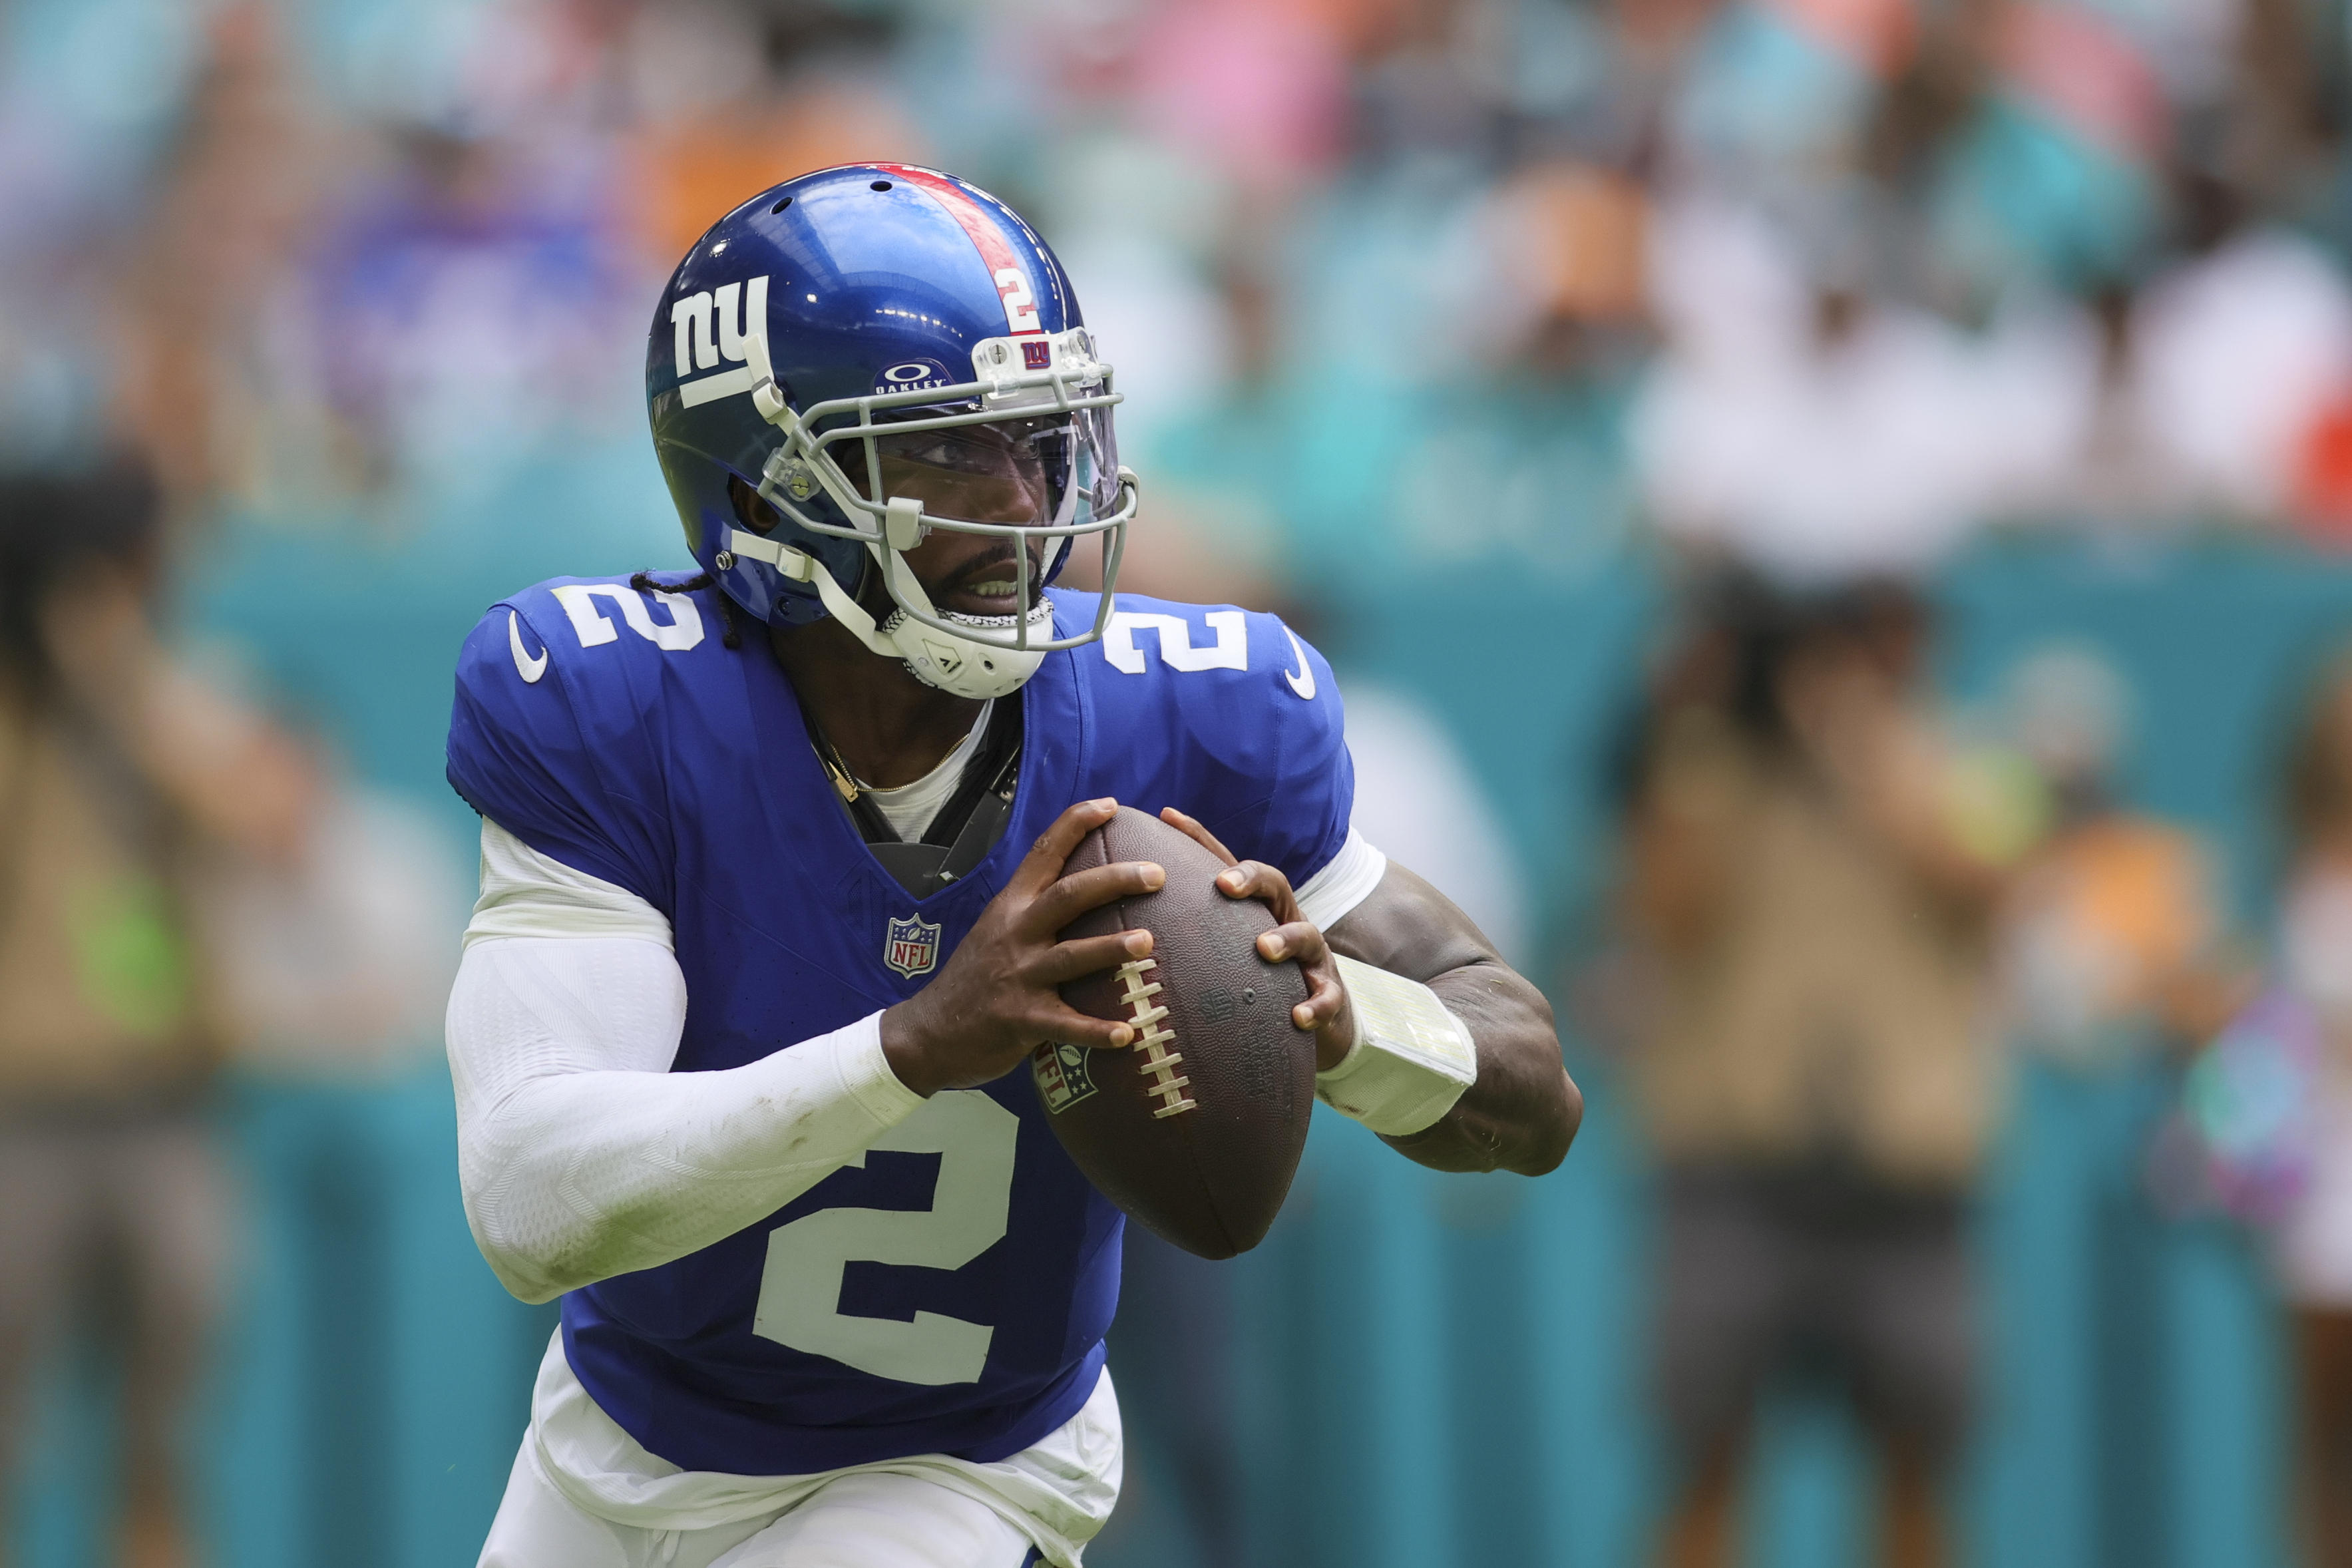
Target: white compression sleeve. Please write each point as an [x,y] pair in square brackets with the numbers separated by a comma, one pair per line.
[1346,881]
[526,893]
[581,1156]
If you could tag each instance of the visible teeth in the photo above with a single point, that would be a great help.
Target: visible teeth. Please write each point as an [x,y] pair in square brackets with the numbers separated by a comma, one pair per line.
[995,588]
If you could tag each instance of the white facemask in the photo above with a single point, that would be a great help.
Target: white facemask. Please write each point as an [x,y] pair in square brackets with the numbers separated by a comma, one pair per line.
[961,666]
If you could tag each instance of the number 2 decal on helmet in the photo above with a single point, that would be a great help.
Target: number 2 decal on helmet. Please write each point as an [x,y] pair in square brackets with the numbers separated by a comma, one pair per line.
[1002,261]
[1020,305]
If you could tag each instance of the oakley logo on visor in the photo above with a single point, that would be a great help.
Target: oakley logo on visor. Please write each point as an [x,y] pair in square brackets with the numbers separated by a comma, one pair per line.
[741,312]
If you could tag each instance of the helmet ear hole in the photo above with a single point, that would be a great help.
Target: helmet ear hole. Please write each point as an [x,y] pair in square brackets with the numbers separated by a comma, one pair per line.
[752,509]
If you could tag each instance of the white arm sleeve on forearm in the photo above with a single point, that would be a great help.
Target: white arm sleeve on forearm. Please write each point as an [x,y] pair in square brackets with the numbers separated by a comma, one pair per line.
[579,1154]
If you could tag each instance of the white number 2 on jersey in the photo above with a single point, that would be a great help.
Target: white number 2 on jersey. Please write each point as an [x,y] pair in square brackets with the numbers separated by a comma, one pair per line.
[579,602]
[1230,651]
[799,1291]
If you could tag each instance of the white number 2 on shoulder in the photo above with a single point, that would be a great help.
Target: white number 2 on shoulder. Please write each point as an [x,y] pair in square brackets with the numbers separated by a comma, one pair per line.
[1230,651]
[800,1289]
[579,602]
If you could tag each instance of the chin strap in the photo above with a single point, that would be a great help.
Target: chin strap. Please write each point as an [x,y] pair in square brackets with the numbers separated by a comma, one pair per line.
[961,666]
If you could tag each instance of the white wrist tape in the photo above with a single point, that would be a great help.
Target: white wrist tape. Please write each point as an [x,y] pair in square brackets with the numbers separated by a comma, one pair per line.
[1412,1059]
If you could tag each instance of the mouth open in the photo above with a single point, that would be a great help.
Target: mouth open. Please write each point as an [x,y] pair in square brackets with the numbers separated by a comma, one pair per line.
[990,585]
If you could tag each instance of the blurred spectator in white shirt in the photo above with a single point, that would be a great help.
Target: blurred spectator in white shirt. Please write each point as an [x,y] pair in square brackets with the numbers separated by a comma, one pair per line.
[1806,428]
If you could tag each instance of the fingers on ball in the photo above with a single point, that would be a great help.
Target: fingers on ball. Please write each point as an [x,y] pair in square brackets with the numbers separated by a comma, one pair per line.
[1073,895]
[1192,828]
[1299,940]
[1256,879]
[1057,842]
[1070,1027]
[1325,999]
[1081,956]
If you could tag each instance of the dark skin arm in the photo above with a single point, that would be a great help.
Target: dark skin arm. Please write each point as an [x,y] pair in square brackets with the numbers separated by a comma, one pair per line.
[1523,1111]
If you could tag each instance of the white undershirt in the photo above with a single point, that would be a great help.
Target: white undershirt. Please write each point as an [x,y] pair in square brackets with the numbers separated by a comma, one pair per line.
[581,1156]
[908,809]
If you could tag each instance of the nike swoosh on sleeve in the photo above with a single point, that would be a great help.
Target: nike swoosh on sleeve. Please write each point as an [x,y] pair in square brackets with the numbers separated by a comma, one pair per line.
[1302,680]
[530,669]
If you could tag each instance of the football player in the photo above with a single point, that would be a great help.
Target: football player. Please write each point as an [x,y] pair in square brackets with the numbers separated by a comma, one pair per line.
[771,881]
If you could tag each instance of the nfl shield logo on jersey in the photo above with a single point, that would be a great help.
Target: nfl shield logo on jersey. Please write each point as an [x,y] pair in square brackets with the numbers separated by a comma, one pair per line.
[911,946]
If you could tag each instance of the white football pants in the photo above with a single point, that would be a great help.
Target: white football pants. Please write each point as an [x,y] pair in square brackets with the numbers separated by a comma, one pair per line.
[864,1520]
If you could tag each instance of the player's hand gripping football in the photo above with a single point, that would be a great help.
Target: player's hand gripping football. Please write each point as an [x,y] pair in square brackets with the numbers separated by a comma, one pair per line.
[996,998]
[1326,1011]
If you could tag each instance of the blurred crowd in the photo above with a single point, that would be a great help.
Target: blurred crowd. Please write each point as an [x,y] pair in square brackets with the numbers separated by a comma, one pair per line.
[321,325]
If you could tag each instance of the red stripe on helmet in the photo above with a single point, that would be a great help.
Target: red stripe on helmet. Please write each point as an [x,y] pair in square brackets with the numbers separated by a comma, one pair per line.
[997,254]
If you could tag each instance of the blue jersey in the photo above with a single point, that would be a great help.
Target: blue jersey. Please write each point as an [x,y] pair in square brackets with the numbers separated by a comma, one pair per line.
[950,1294]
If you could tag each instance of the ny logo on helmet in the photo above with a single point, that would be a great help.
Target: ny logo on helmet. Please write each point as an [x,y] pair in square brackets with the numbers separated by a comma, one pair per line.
[911,946]
[742,310]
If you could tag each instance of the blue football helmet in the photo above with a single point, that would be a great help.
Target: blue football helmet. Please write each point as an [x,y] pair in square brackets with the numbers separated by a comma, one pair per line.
[851,328]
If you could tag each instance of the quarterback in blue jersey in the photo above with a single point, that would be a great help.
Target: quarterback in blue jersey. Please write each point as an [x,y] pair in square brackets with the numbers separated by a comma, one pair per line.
[770,884]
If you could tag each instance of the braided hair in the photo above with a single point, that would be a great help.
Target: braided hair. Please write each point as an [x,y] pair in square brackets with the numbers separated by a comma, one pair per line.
[645,582]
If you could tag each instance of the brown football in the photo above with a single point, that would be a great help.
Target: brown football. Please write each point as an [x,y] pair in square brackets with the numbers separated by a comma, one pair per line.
[1196,1129]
